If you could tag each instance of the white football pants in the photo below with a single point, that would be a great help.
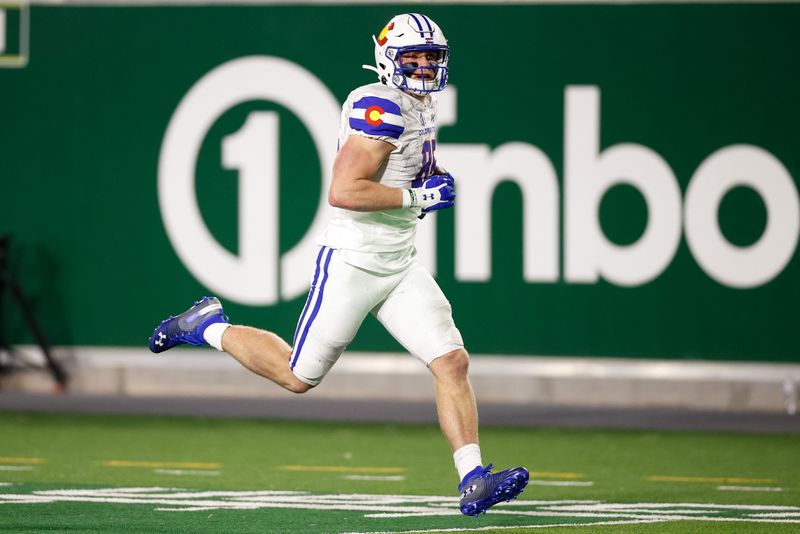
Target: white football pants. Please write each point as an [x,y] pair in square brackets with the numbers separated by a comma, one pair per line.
[409,304]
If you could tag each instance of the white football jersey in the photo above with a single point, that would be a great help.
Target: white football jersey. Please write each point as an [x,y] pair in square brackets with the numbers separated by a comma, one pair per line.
[383,241]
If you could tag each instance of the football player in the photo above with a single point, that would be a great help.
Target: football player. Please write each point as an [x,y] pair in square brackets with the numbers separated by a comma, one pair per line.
[385,179]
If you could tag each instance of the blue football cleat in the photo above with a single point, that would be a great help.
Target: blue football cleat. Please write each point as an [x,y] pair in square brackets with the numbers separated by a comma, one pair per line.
[188,327]
[481,489]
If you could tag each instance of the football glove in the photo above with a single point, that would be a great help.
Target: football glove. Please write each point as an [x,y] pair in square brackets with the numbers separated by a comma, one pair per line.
[437,193]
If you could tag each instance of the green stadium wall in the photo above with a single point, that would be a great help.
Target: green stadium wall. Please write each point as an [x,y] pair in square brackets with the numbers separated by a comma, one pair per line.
[627,174]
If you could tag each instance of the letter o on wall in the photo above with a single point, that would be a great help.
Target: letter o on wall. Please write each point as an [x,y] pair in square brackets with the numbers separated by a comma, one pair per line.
[728,264]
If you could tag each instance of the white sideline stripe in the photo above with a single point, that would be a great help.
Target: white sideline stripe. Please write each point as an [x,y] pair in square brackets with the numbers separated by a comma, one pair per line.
[16,468]
[394,506]
[303,496]
[186,472]
[559,483]
[522,502]
[480,364]
[108,491]
[749,488]
[479,529]
[634,510]
[377,478]
[662,505]
[176,493]
[6,484]
[662,517]
[532,513]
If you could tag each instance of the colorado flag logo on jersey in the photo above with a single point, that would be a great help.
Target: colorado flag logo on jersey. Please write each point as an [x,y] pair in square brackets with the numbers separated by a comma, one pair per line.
[377,116]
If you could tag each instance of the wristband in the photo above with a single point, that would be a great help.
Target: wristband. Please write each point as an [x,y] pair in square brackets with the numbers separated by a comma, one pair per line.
[409,198]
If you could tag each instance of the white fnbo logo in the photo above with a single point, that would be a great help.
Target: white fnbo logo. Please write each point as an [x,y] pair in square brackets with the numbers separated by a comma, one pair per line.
[258,276]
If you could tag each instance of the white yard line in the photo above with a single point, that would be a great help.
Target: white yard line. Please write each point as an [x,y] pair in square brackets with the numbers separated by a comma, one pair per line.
[342,469]
[395,478]
[559,483]
[750,488]
[384,506]
[160,465]
[186,472]
[479,529]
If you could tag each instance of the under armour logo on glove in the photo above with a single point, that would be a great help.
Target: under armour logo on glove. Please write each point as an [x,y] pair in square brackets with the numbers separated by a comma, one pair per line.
[437,192]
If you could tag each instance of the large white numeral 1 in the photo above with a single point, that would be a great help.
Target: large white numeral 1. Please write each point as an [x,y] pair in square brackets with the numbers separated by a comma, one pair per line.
[249,278]
[253,151]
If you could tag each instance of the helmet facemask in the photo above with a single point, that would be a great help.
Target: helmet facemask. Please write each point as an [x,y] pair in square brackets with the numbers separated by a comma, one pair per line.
[427,73]
[418,36]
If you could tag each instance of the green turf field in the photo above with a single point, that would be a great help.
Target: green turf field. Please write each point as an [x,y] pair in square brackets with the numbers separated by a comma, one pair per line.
[83,473]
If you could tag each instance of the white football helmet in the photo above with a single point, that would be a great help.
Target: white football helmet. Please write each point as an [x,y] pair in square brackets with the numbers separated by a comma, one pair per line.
[406,33]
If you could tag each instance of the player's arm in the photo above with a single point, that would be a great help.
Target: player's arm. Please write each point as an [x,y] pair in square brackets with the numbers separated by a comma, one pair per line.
[353,186]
